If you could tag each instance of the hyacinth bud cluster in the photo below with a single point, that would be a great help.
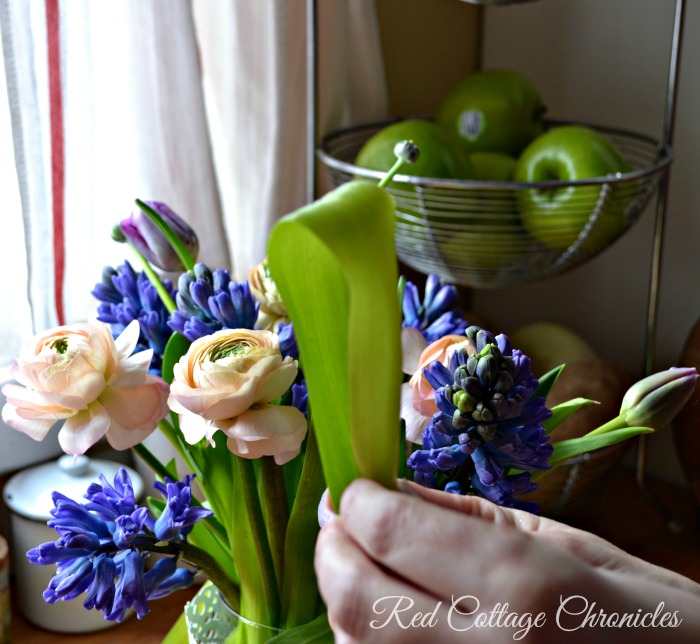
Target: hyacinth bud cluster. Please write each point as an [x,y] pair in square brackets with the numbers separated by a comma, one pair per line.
[488,422]
[208,301]
[103,544]
[435,316]
[124,296]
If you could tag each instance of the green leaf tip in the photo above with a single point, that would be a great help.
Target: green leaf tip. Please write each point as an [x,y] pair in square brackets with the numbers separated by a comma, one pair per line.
[335,265]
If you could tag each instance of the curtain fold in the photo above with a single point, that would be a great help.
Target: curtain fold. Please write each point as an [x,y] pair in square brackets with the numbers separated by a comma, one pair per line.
[197,103]
[254,78]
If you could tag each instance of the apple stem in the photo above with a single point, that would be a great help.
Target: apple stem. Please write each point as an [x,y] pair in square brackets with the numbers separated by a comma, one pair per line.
[406,152]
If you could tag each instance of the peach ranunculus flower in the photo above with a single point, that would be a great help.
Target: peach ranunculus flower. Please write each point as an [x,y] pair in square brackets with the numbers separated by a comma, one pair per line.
[79,373]
[417,396]
[226,381]
[272,311]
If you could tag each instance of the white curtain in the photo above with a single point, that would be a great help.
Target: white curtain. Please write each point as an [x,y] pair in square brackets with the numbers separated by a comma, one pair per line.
[253,57]
[197,103]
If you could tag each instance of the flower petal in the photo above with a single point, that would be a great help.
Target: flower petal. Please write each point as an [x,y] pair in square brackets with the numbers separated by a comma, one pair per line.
[271,430]
[137,407]
[274,384]
[127,340]
[34,428]
[194,428]
[415,421]
[412,345]
[132,371]
[84,429]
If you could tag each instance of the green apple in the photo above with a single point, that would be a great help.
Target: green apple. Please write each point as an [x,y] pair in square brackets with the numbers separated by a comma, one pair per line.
[440,157]
[557,216]
[496,110]
[492,166]
[483,250]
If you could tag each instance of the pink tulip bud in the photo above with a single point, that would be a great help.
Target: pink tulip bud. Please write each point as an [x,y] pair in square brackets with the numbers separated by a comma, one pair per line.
[655,400]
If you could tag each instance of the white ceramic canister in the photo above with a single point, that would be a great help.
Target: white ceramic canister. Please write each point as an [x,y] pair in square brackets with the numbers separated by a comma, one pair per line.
[28,496]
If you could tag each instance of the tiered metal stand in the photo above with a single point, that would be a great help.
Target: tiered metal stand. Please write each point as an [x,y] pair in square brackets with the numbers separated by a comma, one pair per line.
[438,219]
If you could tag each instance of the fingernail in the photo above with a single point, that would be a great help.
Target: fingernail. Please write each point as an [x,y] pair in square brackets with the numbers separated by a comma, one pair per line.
[325,513]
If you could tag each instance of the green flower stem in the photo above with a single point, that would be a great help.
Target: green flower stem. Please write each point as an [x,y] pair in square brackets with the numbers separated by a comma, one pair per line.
[176,243]
[260,540]
[202,559]
[406,152]
[616,423]
[150,460]
[155,280]
[300,599]
[274,500]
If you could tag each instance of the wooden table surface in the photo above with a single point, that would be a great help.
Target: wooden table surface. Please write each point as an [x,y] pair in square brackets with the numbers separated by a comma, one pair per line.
[619,513]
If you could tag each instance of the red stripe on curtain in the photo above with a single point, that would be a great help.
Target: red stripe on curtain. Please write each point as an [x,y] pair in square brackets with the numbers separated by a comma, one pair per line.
[57,156]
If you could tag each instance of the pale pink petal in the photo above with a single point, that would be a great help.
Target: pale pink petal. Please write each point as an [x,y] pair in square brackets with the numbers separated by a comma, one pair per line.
[412,345]
[271,430]
[137,407]
[415,421]
[121,438]
[84,429]
[274,384]
[194,428]
[127,340]
[215,404]
[32,404]
[423,397]
[102,353]
[77,382]
[36,429]
[227,376]
[132,371]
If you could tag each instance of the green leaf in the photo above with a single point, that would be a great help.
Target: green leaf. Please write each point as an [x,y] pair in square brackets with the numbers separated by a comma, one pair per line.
[547,381]
[562,411]
[300,597]
[335,266]
[316,632]
[174,350]
[403,450]
[178,633]
[564,450]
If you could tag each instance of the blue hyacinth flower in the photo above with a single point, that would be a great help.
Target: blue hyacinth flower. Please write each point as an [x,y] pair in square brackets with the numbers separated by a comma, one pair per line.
[125,296]
[102,546]
[488,423]
[210,301]
[435,315]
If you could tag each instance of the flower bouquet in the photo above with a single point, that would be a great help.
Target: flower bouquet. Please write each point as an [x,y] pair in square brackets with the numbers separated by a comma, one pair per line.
[310,374]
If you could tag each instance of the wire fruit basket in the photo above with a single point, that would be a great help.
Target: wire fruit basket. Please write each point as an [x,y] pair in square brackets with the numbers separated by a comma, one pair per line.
[491,234]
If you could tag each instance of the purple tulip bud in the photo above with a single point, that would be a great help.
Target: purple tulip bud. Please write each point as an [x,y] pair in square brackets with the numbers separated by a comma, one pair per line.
[150,241]
[655,400]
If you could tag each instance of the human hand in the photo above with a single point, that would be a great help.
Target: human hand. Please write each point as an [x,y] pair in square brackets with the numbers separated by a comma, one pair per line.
[425,564]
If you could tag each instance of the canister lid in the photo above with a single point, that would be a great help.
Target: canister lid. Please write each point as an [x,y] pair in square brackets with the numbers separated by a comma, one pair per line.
[28,492]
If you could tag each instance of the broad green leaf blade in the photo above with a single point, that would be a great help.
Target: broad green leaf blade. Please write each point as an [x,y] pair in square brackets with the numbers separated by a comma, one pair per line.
[335,265]
[300,597]
[547,381]
[573,447]
[174,350]
[178,633]
[563,411]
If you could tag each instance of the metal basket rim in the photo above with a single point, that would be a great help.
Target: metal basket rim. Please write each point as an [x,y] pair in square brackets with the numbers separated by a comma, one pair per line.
[664,157]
